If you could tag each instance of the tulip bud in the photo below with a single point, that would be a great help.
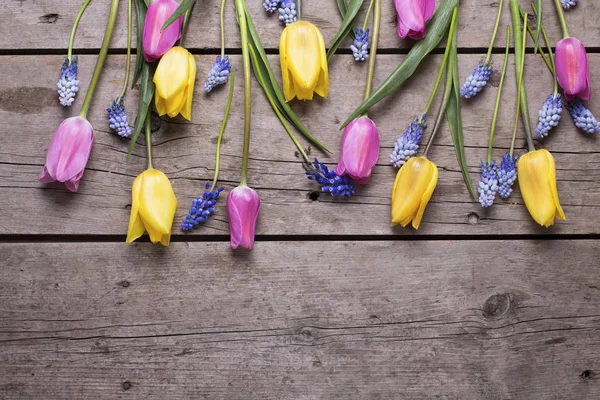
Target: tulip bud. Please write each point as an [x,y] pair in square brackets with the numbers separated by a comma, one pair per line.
[243,204]
[413,16]
[572,69]
[414,185]
[174,79]
[68,153]
[360,150]
[303,61]
[536,171]
[154,42]
[153,205]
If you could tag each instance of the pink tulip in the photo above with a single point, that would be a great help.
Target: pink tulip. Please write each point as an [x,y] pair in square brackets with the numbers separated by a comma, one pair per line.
[413,16]
[68,153]
[154,42]
[572,69]
[360,150]
[243,204]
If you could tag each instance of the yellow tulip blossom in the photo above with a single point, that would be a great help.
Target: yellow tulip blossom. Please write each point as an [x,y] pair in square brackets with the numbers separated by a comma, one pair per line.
[153,205]
[303,61]
[536,173]
[413,187]
[174,79]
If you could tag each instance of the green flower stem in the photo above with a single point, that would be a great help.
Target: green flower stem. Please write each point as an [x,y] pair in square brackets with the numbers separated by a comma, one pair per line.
[438,79]
[186,23]
[75,25]
[239,7]
[547,41]
[128,61]
[496,25]
[299,9]
[498,96]
[110,26]
[537,45]
[561,17]
[373,51]
[222,130]
[222,18]
[519,93]
[367,14]
[148,134]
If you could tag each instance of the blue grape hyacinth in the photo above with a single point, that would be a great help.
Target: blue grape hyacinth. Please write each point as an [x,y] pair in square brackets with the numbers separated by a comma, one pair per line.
[507,175]
[568,4]
[360,47]
[68,85]
[287,12]
[330,182]
[218,74]
[488,184]
[408,144]
[477,80]
[271,5]
[117,119]
[549,115]
[202,208]
[583,117]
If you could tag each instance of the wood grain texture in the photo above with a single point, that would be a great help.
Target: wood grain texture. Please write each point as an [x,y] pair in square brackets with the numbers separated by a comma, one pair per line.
[185,151]
[301,320]
[46,24]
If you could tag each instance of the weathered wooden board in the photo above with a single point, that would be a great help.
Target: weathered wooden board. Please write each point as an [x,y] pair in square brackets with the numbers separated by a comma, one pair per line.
[185,151]
[301,320]
[46,24]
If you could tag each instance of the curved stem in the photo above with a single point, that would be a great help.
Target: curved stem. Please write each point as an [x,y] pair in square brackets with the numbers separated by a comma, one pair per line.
[110,26]
[537,45]
[186,23]
[438,79]
[222,130]
[222,19]
[299,9]
[496,25]
[498,96]
[128,61]
[148,134]
[74,29]
[561,17]
[373,51]
[547,41]
[367,15]
[520,95]
[239,5]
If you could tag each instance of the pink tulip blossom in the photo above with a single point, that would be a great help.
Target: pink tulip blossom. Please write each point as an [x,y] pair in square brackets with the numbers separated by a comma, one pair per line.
[68,153]
[154,42]
[360,150]
[243,204]
[413,16]
[572,69]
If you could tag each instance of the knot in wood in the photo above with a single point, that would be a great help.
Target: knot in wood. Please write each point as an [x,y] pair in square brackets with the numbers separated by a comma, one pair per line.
[496,306]
[307,333]
[126,385]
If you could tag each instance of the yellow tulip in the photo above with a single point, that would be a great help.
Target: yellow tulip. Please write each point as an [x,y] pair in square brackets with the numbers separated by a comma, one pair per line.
[303,61]
[174,79]
[153,205]
[414,185]
[536,173]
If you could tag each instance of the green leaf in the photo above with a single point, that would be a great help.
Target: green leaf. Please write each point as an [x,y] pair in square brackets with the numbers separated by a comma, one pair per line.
[538,23]
[140,16]
[146,94]
[347,25]
[342,7]
[271,86]
[182,9]
[436,30]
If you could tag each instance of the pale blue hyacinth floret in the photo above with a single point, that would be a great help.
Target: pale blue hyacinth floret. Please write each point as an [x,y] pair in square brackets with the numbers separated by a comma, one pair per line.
[271,5]
[507,175]
[360,47]
[117,119]
[488,184]
[583,117]
[287,12]
[218,74]
[409,142]
[477,80]
[568,4]
[549,115]
[68,85]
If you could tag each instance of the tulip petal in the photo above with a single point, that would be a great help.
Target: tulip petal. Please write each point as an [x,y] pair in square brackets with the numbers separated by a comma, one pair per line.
[176,103]
[235,224]
[157,203]
[136,226]
[303,58]
[156,43]
[412,185]
[171,76]
[322,88]
[572,69]
[552,182]
[161,107]
[186,111]
[426,196]
[288,88]
[360,150]
[45,176]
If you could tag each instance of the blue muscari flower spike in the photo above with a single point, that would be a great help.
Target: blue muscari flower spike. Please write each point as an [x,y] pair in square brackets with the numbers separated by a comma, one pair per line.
[68,85]
[271,5]
[218,74]
[408,144]
[488,183]
[549,115]
[202,208]
[360,47]
[117,119]
[568,4]
[330,181]
[287,12]
[477,80]
[583,117]
[507,175]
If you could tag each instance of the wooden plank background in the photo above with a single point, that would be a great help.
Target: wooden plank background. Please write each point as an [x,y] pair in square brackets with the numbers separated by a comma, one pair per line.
[332,302]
